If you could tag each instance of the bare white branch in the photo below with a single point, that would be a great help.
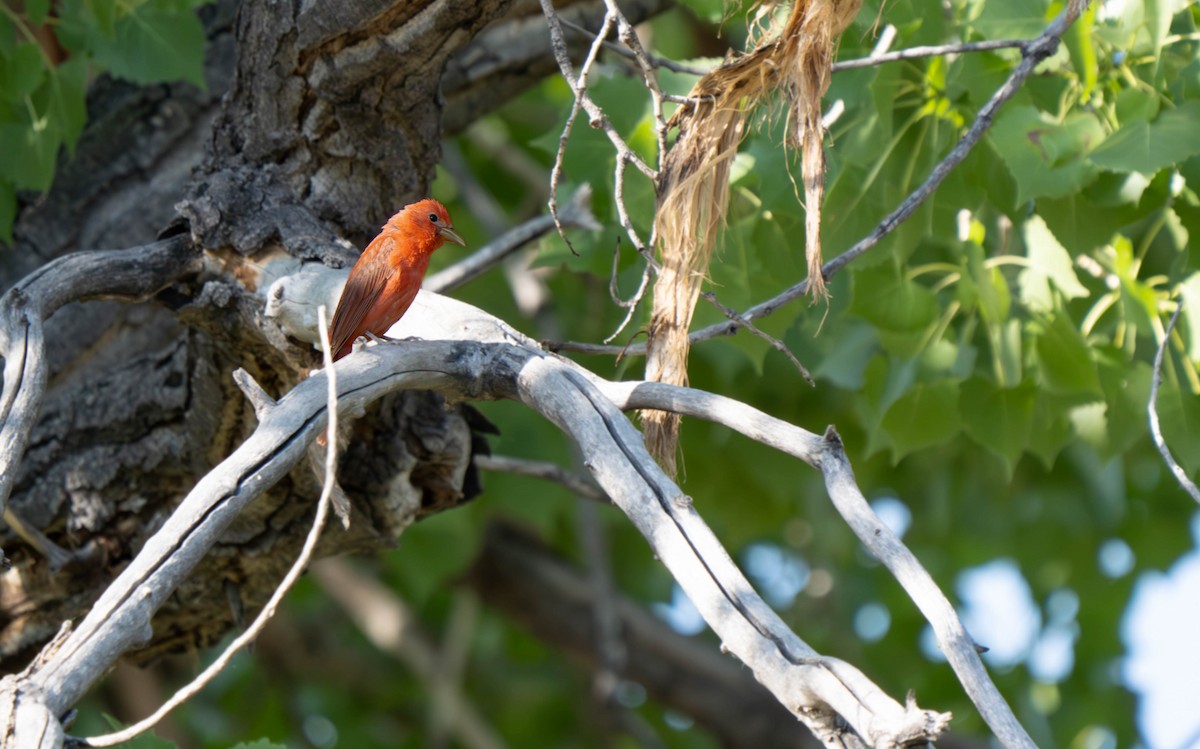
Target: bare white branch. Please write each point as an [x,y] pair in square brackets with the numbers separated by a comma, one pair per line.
[127,275]
[254,393]
[1152,411]
[494,362]
[827,455]
[542,470]
[310,545]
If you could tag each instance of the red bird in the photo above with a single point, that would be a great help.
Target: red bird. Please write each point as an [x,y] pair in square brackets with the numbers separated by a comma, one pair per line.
[387,276]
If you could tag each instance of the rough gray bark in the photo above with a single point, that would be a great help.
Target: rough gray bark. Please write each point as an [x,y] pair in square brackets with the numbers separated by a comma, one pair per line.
[333,118]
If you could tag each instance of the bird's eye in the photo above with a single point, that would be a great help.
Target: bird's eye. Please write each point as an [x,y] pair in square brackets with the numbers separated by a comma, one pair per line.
[433,218]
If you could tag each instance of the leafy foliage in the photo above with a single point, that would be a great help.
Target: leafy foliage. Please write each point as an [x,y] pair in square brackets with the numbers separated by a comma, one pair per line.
[987,365]
[46,59]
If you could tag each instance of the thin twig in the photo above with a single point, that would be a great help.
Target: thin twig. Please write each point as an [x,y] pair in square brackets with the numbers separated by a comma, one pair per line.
[654,60]
[776,344]
[913,53]
[632,304]
[1152,409]
[910,53]
[579,88]
[623,213]
[310,544]
[1033,52]
[542,470]
[578,85]
[577,214]
[629,38]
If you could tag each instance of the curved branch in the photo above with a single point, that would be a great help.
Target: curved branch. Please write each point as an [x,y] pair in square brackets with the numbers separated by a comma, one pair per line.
[823,692]
[828,455]
[126,275]
[1156,434]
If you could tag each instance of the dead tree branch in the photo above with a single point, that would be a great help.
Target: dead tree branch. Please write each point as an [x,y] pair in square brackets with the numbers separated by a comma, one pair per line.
[1152,411]
[823,691]
[828,455]
[126,275]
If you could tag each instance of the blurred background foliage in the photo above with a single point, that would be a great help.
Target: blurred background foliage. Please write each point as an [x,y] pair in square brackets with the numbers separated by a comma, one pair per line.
[988,365]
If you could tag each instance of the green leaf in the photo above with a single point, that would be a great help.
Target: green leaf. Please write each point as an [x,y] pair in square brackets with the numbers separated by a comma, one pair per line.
[21,73]
[153,44]
[1049,263]
[885,382]
[991,290]
[1082,225]
[1190,291]
[1008,352]
[1047,159]
[1050,430]
[926,415]
[1116,189]
[1136,105]
[845,365]
[33,149]
[900,309]
[711,11]
[1011,19]
[1065,360]
[64,99]
[260,744]
[1126,388]
[1158,22]
[1000,419]
[8,36]
[1147,147]
[1139,303]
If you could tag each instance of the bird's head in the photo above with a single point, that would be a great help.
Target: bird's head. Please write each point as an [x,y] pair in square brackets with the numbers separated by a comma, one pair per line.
[429,222]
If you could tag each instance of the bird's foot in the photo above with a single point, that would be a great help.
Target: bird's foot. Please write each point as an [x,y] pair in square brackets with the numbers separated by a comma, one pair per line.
[386,339]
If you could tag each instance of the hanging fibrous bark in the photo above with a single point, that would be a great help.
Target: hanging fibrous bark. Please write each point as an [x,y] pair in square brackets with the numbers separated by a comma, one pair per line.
[789,69]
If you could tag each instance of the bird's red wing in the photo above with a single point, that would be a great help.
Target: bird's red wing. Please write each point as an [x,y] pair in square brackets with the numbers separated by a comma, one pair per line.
[363,289]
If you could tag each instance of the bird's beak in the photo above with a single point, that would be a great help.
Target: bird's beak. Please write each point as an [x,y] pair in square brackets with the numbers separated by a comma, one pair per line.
[450,235]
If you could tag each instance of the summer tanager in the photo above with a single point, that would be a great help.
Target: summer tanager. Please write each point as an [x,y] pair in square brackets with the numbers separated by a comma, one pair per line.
[386,278]
[388,274]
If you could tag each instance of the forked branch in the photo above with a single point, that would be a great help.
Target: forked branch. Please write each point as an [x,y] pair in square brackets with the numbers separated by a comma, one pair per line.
[128,275]
[825,693]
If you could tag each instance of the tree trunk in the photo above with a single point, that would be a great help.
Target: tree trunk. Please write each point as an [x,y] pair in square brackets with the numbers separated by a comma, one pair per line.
[316,124]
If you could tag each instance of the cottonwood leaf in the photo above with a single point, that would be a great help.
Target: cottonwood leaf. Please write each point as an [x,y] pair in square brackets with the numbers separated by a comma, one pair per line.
[1146,147]
[1064,357]
[153,44]
[1049,263]
[927,414]
[1047,158]
[1000,419]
